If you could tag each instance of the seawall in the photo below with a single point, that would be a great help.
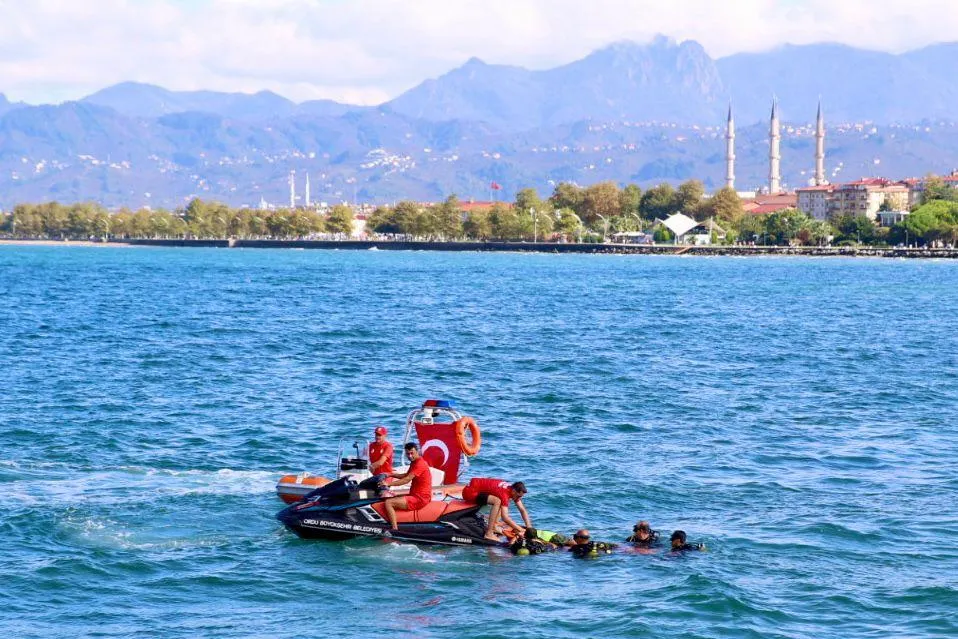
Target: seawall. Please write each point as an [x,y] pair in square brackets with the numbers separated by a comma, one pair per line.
[541,247]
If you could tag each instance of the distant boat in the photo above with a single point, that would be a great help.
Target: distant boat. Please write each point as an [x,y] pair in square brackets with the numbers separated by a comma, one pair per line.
[373,248]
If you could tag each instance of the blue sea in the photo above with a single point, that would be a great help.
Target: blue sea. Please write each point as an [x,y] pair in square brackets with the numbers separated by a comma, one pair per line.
[798,416]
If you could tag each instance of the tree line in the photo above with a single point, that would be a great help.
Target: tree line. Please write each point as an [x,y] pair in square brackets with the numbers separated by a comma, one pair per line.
[570,213]
[197,220]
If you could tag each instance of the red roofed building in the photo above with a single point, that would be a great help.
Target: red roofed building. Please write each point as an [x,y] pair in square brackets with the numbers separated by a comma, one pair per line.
[916,187]
[767,204]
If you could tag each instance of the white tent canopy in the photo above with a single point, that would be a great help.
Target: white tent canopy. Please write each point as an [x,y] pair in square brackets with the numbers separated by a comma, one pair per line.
[680,224]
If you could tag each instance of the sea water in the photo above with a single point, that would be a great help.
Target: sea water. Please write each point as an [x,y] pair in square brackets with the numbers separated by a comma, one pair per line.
[797,416]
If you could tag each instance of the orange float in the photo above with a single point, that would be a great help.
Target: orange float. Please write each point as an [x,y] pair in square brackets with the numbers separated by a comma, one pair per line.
[292,488]
[467,447]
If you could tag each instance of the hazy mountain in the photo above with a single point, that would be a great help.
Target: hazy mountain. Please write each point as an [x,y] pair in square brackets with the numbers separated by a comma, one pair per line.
[668,81]
[6,106]
[500,95]
[79,151]
[147,101]
[663,81]
[628,113]
[327,108]
[660,81]
[854,84]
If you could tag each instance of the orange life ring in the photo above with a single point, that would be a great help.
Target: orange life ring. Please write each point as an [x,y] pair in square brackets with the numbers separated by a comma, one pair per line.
[469,448]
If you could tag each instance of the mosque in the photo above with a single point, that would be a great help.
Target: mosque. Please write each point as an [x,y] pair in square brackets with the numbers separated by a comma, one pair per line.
[774,152]
[773,198]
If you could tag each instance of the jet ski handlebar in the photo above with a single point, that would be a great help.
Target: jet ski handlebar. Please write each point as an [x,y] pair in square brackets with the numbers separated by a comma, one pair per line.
[344,487]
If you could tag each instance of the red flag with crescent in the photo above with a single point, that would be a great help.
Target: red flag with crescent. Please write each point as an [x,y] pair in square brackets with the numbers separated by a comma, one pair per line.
[440,448]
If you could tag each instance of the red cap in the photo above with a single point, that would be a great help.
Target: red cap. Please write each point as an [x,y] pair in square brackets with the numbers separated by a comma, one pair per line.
[381,430]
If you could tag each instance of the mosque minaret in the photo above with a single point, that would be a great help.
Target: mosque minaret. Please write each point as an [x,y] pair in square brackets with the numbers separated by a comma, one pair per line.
[730,151]
[820,148]
[774,153]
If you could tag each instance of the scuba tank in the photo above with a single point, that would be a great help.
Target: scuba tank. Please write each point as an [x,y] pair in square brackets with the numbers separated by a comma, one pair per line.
[522,546]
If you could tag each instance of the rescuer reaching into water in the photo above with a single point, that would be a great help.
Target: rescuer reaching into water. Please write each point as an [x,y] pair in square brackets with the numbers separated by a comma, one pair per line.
[497,493]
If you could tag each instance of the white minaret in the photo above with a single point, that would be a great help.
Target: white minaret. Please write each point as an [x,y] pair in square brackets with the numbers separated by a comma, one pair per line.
[774,153]
[820,147]
[730,151]
[306,201]
[292,189]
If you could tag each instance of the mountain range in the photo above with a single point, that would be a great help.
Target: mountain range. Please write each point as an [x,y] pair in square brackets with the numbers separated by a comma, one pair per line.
[627,112]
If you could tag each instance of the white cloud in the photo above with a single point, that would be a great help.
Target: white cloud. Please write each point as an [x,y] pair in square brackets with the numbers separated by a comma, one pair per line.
[367,51]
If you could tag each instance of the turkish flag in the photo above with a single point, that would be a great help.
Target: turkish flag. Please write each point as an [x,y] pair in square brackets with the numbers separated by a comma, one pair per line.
[440,448]
[495,186]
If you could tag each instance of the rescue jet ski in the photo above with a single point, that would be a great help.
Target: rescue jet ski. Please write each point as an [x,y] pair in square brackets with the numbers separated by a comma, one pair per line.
[447,438]
[345,508]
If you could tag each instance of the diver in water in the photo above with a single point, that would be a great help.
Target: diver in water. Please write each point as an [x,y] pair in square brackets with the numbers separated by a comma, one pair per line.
[585,547]
[643,536]
[532,543]
[679,544]
[556,539]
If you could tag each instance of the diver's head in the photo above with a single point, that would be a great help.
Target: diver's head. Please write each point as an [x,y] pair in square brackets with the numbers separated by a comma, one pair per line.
[531,533]
[412,451]
[642,530]
[581,536]
[678,539]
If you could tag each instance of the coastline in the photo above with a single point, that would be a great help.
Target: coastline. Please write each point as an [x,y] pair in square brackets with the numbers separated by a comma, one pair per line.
[522,247]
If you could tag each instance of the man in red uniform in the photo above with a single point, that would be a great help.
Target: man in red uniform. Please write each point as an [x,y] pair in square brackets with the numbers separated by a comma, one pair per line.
[381,453]
[497,493]
[420,492]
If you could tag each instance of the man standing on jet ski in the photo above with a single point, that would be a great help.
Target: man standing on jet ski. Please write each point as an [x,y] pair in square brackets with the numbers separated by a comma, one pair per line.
[497,493]
[420,492]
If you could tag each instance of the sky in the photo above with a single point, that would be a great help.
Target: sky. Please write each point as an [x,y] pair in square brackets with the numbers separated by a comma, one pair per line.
[369,51]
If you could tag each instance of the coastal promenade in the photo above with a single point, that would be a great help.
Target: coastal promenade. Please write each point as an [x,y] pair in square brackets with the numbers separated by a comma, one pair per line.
[524,247]
[542,247]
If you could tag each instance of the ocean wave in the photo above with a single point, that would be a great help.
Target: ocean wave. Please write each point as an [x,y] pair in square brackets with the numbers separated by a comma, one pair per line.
[125,483]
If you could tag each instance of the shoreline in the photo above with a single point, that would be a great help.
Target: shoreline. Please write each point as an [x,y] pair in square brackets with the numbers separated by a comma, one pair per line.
[522,247]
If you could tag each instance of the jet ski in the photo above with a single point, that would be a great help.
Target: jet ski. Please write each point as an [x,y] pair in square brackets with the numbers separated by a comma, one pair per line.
[345,508]
[447,438]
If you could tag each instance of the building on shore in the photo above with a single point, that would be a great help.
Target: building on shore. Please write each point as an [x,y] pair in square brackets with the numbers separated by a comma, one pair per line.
[862,197]
[916,186]
[815,201]
[867,196]
[891,218]
[766,204]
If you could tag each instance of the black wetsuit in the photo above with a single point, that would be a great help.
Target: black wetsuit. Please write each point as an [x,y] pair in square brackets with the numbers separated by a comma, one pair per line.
[534,546]
[591,548]
[685,547]
[653,540]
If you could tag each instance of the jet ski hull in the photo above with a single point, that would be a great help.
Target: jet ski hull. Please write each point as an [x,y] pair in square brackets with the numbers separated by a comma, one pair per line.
[337,512]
